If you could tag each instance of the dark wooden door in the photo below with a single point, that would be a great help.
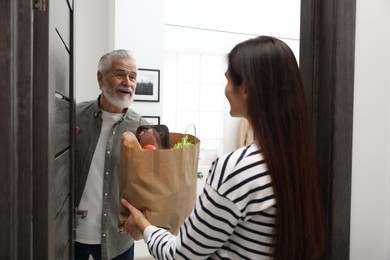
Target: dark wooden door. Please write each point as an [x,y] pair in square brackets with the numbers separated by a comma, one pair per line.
[53,108]
[36,144]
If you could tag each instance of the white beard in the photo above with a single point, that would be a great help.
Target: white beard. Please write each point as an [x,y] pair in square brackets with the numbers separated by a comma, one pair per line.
[110,95]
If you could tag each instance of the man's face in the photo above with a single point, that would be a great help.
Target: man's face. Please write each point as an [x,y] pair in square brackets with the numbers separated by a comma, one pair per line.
[118,85]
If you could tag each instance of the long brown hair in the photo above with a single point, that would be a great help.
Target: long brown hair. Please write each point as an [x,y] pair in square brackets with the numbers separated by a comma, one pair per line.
[277,111]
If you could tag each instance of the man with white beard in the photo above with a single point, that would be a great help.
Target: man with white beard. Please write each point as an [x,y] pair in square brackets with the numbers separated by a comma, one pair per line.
[99,127]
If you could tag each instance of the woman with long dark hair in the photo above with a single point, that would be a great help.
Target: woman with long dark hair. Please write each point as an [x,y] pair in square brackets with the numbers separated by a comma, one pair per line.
[261,201]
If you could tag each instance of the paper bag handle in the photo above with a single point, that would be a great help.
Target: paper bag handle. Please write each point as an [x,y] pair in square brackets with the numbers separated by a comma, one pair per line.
[193,125]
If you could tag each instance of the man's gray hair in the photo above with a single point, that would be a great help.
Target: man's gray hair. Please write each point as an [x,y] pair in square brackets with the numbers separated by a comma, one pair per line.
[105,61]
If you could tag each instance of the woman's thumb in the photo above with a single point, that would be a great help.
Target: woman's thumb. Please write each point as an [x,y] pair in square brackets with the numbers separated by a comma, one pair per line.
[126,204]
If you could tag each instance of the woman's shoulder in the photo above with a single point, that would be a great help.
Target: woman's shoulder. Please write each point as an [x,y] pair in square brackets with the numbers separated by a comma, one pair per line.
[243,177]
[243,155]
[238,164]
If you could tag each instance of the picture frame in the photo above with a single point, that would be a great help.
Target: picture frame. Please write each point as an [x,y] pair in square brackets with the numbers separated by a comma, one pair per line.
[148,85]
[153,120]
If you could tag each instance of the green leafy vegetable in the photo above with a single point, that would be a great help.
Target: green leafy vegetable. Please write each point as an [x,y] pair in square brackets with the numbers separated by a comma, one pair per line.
[183,143]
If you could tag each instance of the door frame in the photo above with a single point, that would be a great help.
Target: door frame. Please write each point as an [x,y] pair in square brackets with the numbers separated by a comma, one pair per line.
[16,129]
[327,52]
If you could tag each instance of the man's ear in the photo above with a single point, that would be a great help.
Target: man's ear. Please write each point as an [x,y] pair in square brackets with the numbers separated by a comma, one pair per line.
[100,79]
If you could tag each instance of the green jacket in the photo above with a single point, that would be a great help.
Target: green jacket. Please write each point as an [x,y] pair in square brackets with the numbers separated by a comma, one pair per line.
[89,122]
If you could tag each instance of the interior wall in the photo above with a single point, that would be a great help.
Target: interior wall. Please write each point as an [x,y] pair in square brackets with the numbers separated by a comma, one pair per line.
[92,38]
[102,26]
[139,26]
[370,205]
[249,17]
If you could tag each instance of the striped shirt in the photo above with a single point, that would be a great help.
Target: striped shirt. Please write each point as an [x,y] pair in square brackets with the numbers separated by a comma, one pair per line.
[233,218]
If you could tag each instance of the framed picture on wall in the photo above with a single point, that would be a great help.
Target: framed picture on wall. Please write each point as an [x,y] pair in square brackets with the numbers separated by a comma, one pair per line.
[153,120]
[148,85]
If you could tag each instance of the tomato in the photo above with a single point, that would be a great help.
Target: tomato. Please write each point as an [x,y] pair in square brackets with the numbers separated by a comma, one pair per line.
[149,147]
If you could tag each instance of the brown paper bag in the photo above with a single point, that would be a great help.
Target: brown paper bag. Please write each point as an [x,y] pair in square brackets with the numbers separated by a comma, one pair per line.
[160,183]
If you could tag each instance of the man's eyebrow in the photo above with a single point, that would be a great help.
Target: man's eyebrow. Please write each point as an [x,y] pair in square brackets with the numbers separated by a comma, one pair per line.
[125,70]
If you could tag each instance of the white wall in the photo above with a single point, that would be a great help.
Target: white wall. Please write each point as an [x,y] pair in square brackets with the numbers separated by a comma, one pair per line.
[370,207]
[139,26]
[93,37]
[102,26]
[279,18]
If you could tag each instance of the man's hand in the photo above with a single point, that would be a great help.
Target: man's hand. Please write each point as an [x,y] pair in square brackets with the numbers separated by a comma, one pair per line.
[135,223]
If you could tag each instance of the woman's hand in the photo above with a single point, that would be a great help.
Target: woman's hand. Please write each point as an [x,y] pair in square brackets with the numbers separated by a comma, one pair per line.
[135,223]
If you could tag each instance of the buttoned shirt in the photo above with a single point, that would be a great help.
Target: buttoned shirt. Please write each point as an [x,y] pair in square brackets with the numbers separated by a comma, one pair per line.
[89,122]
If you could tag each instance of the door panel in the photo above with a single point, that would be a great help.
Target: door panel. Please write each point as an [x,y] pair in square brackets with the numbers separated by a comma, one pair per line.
[61,62]
[62,127]
[60,56]
[70,2]
[61,182]
[61,244]
[62,207]
[52,111]
[62,20]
